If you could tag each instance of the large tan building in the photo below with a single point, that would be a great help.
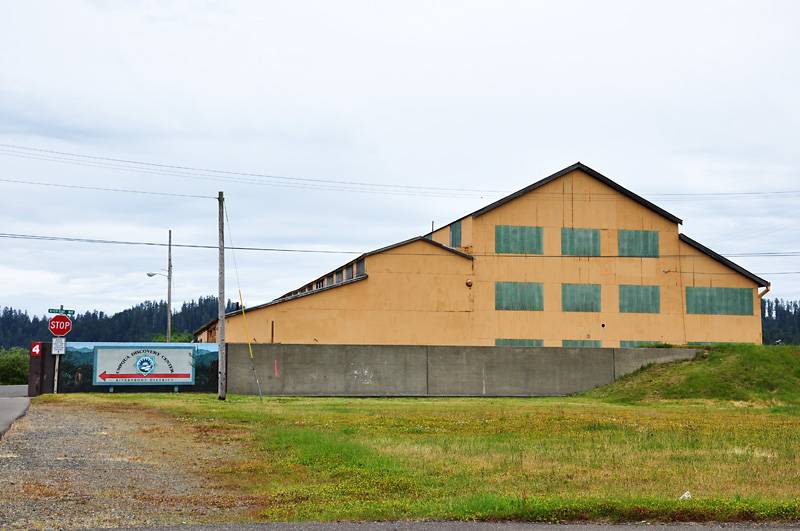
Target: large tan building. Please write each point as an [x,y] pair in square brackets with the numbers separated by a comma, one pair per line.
[572,260]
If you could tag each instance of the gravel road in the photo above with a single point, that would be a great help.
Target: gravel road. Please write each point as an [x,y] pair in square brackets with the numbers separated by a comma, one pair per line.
[72,468]
[67,467]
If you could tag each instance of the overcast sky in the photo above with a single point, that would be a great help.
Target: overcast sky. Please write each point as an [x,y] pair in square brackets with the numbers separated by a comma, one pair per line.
[351,125]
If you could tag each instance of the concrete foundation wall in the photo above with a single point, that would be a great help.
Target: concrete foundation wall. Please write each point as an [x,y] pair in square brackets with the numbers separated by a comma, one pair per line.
[394,370]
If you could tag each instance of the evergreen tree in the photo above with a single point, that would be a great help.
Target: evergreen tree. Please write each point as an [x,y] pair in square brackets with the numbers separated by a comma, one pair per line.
[141,323]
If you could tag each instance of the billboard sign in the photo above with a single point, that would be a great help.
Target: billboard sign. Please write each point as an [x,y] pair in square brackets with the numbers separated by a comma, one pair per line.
[144,365]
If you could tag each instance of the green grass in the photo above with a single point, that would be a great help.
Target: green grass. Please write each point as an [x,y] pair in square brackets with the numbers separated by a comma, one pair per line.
[746,373]
[724,427]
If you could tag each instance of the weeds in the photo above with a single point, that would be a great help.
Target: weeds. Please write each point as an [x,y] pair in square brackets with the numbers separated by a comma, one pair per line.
[731,439]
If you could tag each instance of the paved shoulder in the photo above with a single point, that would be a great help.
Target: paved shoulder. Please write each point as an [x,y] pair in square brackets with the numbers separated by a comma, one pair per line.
[13,404]
[13,391]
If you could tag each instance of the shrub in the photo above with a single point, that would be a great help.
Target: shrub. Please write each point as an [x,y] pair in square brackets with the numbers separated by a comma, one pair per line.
[14,366]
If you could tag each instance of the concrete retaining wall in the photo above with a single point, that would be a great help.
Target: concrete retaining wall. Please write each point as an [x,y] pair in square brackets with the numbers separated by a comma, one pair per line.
[388,370]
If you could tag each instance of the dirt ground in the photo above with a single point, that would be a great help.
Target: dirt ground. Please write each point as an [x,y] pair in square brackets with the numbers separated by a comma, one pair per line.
[63,467]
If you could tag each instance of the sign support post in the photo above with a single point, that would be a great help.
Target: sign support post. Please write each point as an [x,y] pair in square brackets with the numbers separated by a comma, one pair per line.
[60,325]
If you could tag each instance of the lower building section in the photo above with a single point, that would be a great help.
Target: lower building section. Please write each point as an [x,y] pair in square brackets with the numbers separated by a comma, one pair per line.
[410,370]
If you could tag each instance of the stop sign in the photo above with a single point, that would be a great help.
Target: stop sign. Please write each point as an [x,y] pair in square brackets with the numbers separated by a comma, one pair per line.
[60,325]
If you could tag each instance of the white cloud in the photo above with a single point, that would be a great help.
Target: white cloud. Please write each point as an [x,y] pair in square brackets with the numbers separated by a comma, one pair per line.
[677,98]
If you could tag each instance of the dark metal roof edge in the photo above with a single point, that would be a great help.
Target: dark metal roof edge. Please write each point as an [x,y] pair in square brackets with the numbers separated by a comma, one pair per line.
[306,293]
[422,239]
[329,273]
[205,326]
[591,173]
[288,297]
[724,261]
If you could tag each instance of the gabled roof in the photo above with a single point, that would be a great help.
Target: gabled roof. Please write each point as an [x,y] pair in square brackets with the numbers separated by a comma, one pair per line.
[417,239]
[293,295]
[591,173]
[724,261]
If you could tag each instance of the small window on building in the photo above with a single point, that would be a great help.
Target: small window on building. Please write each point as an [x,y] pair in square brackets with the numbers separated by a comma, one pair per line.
[640,299]
[348,272]
[524,296]
[320,284]
[518,342]
[581,343]
[329,280]
[580,242]
[706,343]
[361,268]
[455,234]
[634,344]
[719,301]
[518,240]
[638,243]
[580,297]
[339,276]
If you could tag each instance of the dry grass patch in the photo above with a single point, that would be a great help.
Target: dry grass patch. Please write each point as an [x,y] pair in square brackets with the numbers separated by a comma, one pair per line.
[526,459]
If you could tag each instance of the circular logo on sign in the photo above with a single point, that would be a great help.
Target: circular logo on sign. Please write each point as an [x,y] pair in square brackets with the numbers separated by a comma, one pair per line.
[145,365]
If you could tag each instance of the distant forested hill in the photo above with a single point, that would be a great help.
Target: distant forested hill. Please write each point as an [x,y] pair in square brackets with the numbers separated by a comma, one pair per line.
[144,322]
[780,321]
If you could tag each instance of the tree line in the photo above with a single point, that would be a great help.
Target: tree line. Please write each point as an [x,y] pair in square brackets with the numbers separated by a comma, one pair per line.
[780,322]
[142,323]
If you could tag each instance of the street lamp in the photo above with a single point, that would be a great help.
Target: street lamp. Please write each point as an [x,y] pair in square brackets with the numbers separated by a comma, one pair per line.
[169,288]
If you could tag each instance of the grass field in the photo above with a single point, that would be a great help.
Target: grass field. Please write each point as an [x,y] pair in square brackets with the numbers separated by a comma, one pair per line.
[724,427]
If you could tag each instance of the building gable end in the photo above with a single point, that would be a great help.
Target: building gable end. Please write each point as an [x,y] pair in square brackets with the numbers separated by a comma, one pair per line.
[724,261]
[591,173]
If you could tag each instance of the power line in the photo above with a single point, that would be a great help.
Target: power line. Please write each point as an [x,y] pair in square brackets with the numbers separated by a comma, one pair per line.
[105,189]
[322,184]
[329,251]
[159,244]
[197,176]
[231,176]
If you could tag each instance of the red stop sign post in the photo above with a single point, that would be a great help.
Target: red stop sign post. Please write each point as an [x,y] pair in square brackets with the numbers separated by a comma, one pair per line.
[60,325]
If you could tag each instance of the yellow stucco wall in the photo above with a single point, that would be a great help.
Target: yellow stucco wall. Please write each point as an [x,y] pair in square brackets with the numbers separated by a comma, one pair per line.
[418,294]
[414,294]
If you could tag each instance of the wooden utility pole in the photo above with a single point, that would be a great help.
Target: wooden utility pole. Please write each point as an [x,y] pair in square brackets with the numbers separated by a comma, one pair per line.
[169,289]
[223,355]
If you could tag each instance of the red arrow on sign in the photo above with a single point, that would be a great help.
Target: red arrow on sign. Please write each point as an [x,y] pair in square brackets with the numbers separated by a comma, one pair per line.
[105,375]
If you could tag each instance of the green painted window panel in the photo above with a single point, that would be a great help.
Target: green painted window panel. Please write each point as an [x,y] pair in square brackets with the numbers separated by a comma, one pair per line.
[634,344]
[580,297]
[511,239]
[429,236]
[518,342]
[719,301]
[527,296]
[570,343]
[638,243]
[710,343]
[580,242]
[640,299]
[455,234]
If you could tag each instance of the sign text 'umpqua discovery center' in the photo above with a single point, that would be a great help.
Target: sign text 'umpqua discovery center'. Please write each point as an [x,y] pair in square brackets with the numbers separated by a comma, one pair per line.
[167,365]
